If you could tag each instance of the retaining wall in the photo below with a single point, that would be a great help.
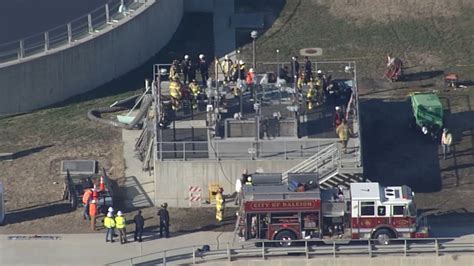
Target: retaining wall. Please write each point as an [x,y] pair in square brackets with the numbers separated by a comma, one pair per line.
[43,80]
[174,177]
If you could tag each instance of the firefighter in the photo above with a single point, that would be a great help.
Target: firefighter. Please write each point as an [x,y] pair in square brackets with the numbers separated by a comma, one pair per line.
[175,93]
[338,117]
[109,223]
[195,92]
[164,220]
[93,212]
[204,69]
[310,96]
[249,180]
[227,68]
[220,205]
[174,70]
[343,132]
[121,225]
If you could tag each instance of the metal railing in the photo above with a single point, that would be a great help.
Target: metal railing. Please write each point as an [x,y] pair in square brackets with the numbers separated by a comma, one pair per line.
[306,249]
[67,34]
[240,149]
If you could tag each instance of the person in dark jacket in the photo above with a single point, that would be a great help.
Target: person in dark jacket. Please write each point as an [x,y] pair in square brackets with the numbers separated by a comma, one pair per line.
[308,70]
[185,65]
[204,69]
[164,220]
[139,224]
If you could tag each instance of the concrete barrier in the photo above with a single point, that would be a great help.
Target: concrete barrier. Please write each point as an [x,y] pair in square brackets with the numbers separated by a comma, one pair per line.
[43,80]
[174,177]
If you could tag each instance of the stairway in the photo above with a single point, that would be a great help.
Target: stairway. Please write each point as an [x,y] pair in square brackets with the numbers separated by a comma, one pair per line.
[329,165]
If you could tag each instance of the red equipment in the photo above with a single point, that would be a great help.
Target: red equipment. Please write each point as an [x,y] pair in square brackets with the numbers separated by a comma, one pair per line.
[394,70]
[365,211]
[95,193]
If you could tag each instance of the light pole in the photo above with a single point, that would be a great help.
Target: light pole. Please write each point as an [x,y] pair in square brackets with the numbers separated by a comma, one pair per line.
[254,35]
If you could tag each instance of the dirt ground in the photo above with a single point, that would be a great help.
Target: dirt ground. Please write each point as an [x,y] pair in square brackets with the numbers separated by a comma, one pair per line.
[393,154]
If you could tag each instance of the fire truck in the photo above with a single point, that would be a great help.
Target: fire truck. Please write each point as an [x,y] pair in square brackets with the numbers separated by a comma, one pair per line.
[300,209]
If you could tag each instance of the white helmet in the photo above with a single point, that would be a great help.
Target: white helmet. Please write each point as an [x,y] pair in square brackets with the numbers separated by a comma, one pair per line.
[110,209]
[241,62]
[320,71]
[109,214]
[119,213]
[94,201]
[338,108]
[226,57]
[186,57]
[201,56]
[251,70]
[163,71]
[249,178]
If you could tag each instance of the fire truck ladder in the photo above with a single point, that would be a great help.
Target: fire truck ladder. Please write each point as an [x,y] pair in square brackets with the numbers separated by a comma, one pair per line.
[328,163]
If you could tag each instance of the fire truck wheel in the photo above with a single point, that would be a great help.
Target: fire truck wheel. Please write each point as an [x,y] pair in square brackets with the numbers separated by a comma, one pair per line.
[287,237]
[383,236]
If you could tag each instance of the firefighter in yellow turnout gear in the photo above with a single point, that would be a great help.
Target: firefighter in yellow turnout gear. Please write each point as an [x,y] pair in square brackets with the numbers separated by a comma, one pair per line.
[175,92]
[220,205]
[195,91]
[310,95]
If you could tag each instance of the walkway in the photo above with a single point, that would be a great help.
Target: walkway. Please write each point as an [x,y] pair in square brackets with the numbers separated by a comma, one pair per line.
[139,185]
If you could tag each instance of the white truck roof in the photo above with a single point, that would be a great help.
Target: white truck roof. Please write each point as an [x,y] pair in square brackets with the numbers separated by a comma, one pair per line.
[366,191]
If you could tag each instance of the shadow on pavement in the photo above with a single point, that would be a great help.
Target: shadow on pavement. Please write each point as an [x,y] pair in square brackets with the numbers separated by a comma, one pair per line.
[393,153]
[37,213]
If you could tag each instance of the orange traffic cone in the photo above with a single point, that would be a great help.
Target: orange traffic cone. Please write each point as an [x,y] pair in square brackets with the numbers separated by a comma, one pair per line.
[95,193]
[102,184]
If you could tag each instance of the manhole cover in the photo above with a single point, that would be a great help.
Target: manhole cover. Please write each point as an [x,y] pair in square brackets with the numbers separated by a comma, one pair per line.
[311,51]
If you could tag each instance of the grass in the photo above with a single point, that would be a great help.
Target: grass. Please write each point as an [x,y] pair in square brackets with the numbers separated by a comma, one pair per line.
[438,42]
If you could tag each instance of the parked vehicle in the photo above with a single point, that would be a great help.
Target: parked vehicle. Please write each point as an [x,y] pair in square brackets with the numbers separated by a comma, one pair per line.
[275,211]
[427,113]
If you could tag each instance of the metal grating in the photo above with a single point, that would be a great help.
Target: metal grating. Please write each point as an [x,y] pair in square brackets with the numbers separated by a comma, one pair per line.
[78,167]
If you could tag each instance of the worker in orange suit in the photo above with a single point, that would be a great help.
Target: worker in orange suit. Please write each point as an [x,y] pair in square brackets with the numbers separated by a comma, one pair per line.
[93,212]
[86,199]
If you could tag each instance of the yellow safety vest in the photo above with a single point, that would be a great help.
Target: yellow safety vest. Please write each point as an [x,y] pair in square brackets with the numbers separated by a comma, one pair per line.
[311,93]
[120,221]
[109,222]
[195,89]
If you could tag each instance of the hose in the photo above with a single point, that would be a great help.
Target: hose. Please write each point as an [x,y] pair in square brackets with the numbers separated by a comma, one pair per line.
[95,114]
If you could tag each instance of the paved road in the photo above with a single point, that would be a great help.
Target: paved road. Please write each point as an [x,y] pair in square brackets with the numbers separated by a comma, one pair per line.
[91,249]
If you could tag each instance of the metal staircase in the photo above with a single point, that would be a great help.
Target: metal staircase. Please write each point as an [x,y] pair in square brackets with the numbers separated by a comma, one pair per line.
[332,168]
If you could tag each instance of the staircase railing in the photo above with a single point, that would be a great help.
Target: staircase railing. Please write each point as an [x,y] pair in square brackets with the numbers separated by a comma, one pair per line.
[325,158]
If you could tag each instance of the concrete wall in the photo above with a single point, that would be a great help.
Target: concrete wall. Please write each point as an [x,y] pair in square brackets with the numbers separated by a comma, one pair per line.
[42,81]
[174,177]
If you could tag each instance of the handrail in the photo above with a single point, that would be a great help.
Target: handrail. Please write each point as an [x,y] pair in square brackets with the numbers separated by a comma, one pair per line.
[78,28]
[310,248]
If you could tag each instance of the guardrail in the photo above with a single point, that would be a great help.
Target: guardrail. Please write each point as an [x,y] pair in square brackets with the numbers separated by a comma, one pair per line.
[67,34]
[241,149]
[306,249]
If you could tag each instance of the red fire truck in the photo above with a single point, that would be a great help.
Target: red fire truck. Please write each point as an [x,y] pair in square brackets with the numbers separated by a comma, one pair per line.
[299,209]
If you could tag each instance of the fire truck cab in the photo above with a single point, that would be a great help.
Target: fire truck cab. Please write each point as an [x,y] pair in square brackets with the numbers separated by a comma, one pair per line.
[299,209]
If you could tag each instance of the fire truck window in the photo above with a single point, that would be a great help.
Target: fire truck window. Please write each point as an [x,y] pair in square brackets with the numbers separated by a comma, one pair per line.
[310,220]
[367,208]
[398,210]
[381,210]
